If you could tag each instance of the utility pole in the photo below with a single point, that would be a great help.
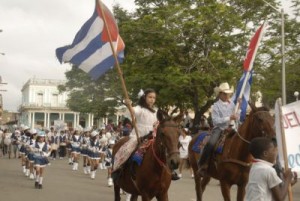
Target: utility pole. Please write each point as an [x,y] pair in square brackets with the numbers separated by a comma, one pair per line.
[283,81]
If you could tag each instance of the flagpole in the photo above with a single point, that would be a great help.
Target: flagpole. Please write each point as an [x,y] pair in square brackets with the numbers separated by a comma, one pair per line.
[120,73]
[284,150]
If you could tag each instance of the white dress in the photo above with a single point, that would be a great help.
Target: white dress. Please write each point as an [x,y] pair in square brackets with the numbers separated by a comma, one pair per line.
[145,120]
[184,144]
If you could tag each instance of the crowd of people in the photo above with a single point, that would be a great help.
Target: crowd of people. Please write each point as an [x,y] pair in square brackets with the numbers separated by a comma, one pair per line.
[95,145]
[37,148]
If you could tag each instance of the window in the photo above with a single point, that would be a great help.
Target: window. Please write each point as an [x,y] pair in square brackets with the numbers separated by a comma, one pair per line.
[54,101]
[40,99]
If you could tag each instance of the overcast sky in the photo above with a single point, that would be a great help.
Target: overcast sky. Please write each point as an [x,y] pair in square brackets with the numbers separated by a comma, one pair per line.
[32,30]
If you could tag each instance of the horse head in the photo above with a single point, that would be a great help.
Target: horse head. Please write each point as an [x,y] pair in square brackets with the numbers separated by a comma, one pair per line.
[261,122]
[168,137]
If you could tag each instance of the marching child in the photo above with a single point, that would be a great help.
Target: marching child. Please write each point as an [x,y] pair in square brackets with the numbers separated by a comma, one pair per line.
[54,142]
[84,152]
[264,184]
[30,155]
[41,151]
[94,153]
[76,141]
[63,138]
[108,160]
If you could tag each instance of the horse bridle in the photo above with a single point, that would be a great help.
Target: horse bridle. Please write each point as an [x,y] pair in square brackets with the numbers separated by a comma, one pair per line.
[263,132]
[160,132]
[174,126]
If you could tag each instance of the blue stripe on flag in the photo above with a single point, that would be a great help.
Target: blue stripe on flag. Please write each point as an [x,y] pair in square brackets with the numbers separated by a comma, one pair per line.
[79,37]
[90,49]
[246,95]
[104,66]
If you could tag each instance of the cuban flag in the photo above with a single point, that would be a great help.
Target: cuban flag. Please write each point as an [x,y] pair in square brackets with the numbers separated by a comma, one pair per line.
[91,50]
[246,95]
[244,84]
[253,46]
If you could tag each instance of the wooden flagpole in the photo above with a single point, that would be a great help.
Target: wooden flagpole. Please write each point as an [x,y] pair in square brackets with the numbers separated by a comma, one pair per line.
[119,72]
[283,143]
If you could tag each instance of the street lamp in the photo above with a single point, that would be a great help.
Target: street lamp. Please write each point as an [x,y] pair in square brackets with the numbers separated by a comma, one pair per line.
[296,94]
[283,82]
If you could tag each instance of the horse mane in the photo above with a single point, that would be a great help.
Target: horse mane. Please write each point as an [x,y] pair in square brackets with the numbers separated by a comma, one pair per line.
[258,109]
[163,116]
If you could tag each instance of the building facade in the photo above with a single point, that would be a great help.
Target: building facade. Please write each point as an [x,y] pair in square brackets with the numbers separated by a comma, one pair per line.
[43,106]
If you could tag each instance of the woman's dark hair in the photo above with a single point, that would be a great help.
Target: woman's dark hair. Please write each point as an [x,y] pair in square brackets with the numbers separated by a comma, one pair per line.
[259,145]
[142,100]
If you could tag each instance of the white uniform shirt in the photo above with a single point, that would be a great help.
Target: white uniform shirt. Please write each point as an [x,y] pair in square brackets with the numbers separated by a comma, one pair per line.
[145,120]
[262,179]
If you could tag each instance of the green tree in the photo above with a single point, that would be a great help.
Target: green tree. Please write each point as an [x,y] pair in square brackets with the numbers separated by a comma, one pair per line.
[183,49]
[271,74]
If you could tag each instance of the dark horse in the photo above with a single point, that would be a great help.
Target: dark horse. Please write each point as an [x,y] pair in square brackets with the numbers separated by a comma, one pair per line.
[232,166]
[153,177]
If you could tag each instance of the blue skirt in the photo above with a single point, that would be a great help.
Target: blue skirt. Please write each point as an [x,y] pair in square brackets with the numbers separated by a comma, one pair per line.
[40,160]
[76,150]
[94,155]
[84,151]
[31,157]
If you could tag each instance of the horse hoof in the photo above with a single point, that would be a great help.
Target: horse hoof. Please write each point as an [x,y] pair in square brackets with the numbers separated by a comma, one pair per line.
[175,176]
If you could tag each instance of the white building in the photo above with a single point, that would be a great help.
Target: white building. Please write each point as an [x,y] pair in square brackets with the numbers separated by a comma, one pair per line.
[43,106]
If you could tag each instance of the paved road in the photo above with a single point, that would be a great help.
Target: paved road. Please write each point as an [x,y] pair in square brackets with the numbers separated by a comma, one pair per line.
[61,183]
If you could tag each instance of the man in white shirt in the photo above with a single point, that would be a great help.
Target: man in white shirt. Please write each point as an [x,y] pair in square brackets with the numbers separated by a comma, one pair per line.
[222,116]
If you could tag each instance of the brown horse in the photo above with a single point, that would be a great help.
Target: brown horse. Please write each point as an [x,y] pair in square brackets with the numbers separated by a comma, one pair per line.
[153,177]
[233,164]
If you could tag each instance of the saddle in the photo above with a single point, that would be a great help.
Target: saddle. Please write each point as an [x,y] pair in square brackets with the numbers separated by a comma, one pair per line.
[136,157]
[204,138]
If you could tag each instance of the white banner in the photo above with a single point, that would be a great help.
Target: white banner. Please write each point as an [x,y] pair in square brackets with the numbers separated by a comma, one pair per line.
[59,125]
[291,127]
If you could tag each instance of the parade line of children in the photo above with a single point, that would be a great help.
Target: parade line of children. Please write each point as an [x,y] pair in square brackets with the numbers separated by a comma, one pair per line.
[36,147]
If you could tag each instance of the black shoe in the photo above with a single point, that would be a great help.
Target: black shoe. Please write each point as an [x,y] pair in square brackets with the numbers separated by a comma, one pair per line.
[36,184]
[175,176]
[40,186]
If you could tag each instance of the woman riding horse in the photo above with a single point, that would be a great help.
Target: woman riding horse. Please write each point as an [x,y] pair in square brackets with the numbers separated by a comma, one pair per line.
[152,177]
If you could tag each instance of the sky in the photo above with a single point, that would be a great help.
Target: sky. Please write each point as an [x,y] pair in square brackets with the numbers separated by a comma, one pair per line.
[31,31]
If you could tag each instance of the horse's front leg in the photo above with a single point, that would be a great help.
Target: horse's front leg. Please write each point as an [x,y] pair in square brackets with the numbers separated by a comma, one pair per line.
[162,197]
[117,192]
[240,192]
[225,188]
[133,197]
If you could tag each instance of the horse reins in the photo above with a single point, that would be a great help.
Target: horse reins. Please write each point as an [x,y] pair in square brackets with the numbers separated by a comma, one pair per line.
[160,162]
[241,137]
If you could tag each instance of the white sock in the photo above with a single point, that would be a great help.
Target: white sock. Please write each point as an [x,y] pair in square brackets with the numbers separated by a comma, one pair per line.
[37,179]
[41,180]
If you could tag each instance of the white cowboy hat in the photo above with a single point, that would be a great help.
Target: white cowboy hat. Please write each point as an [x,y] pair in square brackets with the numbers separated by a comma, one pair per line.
[225,88]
